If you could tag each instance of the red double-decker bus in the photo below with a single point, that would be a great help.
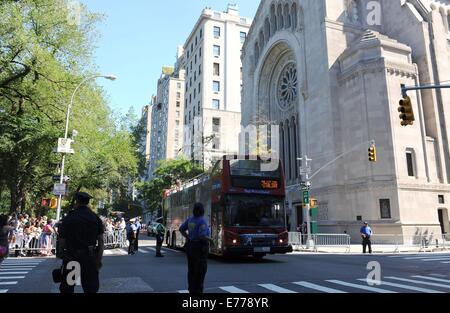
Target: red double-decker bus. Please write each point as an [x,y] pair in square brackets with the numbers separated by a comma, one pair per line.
[244,205]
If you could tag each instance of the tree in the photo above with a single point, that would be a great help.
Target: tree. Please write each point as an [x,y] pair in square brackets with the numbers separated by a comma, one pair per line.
[168,174]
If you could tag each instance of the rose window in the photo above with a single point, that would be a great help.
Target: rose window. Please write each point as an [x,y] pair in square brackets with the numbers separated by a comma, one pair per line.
[288,87]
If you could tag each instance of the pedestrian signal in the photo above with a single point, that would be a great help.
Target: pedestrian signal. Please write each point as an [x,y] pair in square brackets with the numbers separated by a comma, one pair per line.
[53,203]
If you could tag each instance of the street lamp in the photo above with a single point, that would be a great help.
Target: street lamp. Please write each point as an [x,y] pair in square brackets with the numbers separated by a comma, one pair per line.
[69,107]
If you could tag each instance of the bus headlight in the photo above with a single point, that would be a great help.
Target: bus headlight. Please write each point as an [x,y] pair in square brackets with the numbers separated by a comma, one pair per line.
[234,241]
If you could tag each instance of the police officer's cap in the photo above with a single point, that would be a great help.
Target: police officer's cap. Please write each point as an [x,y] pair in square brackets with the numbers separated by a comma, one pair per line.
[83,196]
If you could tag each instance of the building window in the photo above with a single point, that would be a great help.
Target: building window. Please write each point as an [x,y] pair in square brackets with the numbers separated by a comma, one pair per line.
[216,51]
[188,54]
[441,199]
[195,59]
[199,87]
[198,105]
[201,33]
[178,95]
[216,69]
[216,32]
[195,93]
[179,85]
[243,37]
[216,86]
[178,114]
[385,208]
[216,143]
[200,69]
[242,74]
[196,40]
[410,163]
[200,52]
[192,47]
[185,103]
[178,104]
[190,66]
[194,111]
[195,76]
[216,104]
[216,125]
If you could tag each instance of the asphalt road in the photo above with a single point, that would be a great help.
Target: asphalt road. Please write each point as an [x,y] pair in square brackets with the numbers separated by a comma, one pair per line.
[293,273]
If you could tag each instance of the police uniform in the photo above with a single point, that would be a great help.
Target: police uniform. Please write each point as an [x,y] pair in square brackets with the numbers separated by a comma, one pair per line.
[197,251]
[80,229]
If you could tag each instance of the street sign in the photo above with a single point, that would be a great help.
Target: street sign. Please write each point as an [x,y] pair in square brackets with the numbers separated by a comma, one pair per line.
[57,178]
[305,196]
[64,146]
[59,189]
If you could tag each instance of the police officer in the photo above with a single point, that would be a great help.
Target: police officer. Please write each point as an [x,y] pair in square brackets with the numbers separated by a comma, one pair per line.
[197,248]
[138,225]
[81,240]
[160,231]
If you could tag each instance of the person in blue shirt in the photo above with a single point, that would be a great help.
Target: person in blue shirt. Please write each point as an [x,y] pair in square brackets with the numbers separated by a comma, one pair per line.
[131,236]
[138,230]
[366,234]
[196,230]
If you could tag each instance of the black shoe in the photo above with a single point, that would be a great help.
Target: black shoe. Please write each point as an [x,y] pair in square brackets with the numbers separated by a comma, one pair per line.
[159,256]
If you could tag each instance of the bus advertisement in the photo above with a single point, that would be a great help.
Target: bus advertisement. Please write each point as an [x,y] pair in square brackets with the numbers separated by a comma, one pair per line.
[244,206]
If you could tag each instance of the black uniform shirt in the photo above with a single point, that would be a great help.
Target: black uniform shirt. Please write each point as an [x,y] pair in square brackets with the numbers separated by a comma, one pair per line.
[80,228]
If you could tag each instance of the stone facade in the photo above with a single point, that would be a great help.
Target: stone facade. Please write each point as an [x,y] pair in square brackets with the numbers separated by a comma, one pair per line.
[329,72]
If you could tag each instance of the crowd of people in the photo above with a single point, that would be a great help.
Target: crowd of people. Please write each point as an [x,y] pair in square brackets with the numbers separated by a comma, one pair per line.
[30,236]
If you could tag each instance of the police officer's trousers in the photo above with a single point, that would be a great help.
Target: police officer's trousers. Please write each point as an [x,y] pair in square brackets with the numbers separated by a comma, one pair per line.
[197,255]
[89,274]
[367,243]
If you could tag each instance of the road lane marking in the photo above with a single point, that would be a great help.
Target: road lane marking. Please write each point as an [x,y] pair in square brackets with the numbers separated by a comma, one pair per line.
[419,282]
[183,291]
[425,257]
[276,288]
[8,283]
[373,289]
[401,286]
[15,269]
[445,262]
[14,273]
[3,290]
[440,259]
[432,278]
[232,289]
[12,277]
[318,287]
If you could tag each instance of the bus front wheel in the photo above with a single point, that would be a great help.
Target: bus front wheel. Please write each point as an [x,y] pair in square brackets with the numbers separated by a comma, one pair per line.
[168,239]
[259,257]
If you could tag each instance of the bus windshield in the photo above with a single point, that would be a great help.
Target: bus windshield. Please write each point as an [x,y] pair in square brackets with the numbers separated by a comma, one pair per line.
[252,168]
[251,211]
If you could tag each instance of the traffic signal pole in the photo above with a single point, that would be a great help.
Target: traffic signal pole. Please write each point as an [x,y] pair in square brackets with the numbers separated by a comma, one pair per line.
[306,185]
[405,89]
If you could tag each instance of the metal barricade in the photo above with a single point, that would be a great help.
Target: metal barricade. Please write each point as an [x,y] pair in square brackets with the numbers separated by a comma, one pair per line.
[33,245]
[339,242]
[115,239]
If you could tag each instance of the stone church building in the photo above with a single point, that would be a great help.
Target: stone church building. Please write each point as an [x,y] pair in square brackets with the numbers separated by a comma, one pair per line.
[329,73]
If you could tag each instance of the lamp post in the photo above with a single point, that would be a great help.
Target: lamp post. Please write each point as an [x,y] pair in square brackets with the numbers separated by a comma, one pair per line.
[66,132]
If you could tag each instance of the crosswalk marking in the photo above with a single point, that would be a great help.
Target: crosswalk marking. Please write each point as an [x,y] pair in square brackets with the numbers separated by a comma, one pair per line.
[12,277]
[3,290]
[421,257]
[374,289]
[8,283]
[15,269]
[183,291]
[432,278]
[276,288]
[232,289]
[446,262]
[419,282]
[13,273]
[401,286]
[317,287]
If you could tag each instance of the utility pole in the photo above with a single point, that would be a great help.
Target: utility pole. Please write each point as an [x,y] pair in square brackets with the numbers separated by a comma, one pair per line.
[306,195]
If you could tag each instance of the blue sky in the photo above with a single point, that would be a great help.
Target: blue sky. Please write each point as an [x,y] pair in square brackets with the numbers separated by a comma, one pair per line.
[138,37]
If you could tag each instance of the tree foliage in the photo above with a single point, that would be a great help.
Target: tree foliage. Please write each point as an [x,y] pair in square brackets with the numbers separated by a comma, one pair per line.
[43,57]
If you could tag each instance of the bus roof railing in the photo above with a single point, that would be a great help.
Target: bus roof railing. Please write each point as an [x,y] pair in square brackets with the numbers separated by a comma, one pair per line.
[189,183]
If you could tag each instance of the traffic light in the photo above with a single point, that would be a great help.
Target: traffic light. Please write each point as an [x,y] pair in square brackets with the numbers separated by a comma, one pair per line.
[373,153]
[45,203]
[53,203]
[406,110]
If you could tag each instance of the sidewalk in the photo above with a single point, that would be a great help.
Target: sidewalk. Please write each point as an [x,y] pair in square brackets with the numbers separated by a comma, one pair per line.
[378,249]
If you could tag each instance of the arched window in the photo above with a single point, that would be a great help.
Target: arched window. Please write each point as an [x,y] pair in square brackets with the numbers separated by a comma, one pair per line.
[282,145]
[267,32]
[256,53]
[287,16]
[288,151]
[280,17]
[296,145]
[261,41]
[294,16]
[353,7]
[273,19]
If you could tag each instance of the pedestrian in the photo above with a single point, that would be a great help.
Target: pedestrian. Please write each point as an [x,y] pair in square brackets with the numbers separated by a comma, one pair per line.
[81,241]
[160,231]
[6,234]
[366,234]
[131,237]
[196,231]
[138,225]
